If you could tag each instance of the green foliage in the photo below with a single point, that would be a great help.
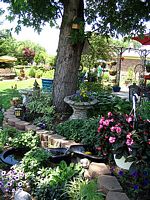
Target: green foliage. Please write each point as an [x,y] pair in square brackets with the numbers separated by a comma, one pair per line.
[144,110]
[6,135]
[50,182]
[14,138]
[78,189]
[41,110]
[25,139]
[34,160]
[84,131]
[32,72]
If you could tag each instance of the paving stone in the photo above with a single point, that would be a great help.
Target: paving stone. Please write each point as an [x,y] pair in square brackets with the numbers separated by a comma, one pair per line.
[96,169]
[9,113]
[116,196]
[42,131]
[44,137]
[44,144]
[108,183]
[12,121]
[21,125]
[30,128]
[9,116]
[68,143]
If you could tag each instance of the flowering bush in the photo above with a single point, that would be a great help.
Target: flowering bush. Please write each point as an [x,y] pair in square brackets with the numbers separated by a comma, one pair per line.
[119,136]
[12,181]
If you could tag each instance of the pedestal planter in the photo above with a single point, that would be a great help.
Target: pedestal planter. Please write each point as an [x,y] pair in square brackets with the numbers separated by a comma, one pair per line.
[79,108]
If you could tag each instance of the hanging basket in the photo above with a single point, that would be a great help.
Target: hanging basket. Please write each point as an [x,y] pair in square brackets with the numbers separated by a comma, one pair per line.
[112,72]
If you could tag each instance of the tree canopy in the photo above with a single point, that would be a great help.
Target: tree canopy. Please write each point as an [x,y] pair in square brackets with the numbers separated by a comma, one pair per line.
[108,17]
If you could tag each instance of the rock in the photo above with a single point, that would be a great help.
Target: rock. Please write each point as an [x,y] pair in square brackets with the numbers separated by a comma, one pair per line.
[22,195]
[85,163]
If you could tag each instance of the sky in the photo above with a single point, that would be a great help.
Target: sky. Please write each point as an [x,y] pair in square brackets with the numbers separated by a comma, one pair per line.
[48,38]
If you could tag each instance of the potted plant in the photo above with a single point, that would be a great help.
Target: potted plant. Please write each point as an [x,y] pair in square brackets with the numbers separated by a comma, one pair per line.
[116,88]
[119,136]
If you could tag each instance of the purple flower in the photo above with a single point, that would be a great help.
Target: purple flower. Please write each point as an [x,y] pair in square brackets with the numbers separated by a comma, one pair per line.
[136,187]
[1,183]
[19,184]
[120,173]
[3,173]
[134,174]
[16,178]
[145,182]
[9,184]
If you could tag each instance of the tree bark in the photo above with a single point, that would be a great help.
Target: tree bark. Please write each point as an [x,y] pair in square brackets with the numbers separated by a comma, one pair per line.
[68,56]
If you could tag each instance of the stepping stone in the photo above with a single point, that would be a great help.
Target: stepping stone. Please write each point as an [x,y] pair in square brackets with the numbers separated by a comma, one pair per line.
[108,183]
[21,125]
[116,196]
[96,169]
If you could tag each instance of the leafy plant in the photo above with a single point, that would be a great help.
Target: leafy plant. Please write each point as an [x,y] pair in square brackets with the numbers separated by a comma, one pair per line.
[6,136]
[34,160]
[78,189]
[26,139]
[80,130]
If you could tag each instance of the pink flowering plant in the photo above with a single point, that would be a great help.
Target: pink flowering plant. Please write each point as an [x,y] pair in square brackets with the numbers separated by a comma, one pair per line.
[119,136]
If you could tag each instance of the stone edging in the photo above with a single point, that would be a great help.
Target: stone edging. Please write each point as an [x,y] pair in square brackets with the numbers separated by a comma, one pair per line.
[108,184]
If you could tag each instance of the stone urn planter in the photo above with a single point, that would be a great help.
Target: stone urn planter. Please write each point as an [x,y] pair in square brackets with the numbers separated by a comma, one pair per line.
[79,108]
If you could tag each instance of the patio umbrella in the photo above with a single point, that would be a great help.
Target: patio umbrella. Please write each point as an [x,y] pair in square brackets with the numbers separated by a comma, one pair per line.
[7,59]
[144,40]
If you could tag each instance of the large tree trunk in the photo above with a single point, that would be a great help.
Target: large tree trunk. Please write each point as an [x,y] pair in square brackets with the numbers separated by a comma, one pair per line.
[68,56]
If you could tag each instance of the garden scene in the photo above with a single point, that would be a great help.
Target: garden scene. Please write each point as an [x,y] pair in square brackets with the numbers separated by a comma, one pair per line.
[76,126]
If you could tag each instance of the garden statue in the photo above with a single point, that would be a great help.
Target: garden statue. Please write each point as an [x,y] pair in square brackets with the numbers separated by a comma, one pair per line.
[36,88]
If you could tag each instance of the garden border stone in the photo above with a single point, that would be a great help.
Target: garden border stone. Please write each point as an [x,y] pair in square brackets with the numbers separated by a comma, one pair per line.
[106,183]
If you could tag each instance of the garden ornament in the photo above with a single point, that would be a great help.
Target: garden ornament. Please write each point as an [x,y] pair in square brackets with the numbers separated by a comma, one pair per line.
[22,195]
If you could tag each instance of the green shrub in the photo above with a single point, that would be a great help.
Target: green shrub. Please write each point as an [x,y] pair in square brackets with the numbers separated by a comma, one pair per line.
[38,73]
[26,139]
[32,72]
[48,74]
[84,131]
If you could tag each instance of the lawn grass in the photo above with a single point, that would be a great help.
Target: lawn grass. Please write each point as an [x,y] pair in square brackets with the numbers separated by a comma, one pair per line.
[7,92]
[24,84]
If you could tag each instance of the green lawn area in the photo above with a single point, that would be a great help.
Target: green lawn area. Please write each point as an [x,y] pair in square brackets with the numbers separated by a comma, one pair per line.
[24,84]
[7,92]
